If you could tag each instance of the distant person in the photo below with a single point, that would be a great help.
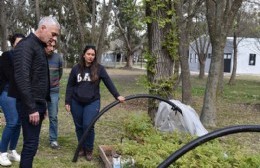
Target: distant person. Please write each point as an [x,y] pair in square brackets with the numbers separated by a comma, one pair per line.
[83,95]
[12,128]
[31,74]
[55,67]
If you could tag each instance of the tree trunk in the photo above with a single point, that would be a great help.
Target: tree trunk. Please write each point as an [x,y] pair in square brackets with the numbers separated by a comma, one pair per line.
[184,26]
[80,26]
[3,27]
[105,19]
[220,17]
[37,13]
[202,70]
[234,69]
[160,65]
[129,60]
[185,71]
[208,115]
[93,22]
[220,87]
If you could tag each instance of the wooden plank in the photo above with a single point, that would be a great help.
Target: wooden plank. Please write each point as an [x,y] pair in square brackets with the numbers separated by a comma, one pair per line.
[105,152]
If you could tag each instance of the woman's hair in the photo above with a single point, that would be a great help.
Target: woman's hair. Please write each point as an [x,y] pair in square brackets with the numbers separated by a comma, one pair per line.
[94,66]
[13,37]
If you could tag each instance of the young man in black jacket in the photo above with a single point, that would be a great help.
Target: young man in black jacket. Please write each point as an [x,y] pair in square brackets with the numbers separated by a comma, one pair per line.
[31,76]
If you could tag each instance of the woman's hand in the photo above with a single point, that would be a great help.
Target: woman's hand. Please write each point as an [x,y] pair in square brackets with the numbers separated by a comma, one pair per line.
[121,99]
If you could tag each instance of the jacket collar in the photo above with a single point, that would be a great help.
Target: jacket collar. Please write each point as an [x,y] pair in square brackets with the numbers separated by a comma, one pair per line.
[38,40]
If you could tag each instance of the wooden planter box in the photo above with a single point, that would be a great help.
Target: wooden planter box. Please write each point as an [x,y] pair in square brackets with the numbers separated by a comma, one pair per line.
[105,152]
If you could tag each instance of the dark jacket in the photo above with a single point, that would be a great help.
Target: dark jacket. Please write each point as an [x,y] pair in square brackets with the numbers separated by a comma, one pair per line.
[83,90]
[31,72]
[6,70]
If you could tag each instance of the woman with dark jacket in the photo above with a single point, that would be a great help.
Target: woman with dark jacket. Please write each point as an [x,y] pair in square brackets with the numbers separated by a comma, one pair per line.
[83,95]
[12,129]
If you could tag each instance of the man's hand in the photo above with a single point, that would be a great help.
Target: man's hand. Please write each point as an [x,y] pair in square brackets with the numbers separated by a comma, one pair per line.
[34,118]
[67,106]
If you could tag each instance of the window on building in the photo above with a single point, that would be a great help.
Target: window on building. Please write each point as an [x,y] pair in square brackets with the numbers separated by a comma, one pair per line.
[209,56]
[190,58]
[196,58]
[227,55]
[252,59]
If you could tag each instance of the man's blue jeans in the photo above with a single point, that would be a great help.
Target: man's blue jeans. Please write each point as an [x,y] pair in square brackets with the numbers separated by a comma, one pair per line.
[53,108]
[12,129]
[31,133]
[83,114]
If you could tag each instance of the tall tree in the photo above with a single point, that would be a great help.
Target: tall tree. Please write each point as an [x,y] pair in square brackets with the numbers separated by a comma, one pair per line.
[184,24]
[220,16]
[79,23]
[103,27]
[201,39]
[160,59]
[128,16]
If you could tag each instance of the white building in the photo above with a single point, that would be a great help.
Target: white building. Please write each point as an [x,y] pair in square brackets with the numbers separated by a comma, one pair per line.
[248,56]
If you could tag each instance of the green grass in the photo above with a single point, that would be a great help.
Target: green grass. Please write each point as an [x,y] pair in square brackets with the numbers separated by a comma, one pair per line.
[237,106]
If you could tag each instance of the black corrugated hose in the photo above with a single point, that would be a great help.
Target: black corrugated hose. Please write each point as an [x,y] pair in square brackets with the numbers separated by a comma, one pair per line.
[105,109]
[205,138]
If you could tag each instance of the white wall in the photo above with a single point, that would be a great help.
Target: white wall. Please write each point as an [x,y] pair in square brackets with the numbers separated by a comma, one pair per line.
[246,47]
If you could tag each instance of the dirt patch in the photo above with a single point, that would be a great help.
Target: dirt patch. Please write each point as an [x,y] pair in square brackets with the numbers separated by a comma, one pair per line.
[250,107]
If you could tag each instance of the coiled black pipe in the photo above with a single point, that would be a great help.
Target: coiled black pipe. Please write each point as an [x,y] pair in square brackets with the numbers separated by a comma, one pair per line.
[205,138]
[84,136]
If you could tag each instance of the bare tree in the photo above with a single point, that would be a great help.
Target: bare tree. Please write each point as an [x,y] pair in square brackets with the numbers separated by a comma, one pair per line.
[220,16]
[184,24]
[130,47]
[128,25]
[201,40]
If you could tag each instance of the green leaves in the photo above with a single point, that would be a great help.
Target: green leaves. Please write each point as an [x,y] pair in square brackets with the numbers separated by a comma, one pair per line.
[149,148]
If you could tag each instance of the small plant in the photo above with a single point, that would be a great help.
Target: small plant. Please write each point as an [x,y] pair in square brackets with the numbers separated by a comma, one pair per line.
[149,148]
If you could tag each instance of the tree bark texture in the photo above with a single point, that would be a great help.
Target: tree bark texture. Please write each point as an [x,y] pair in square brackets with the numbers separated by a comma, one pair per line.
[37,13]
[184,27]
[93,22]
[80,26]
[234,69]
[163,67]
[3,27]
[100,44]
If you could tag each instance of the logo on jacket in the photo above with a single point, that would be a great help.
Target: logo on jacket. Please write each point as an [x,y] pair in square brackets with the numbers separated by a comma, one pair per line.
[86,77]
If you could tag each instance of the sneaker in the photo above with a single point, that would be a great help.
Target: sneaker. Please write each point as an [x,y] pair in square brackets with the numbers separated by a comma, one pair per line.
[14,156]
[4,161]
[54,145]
